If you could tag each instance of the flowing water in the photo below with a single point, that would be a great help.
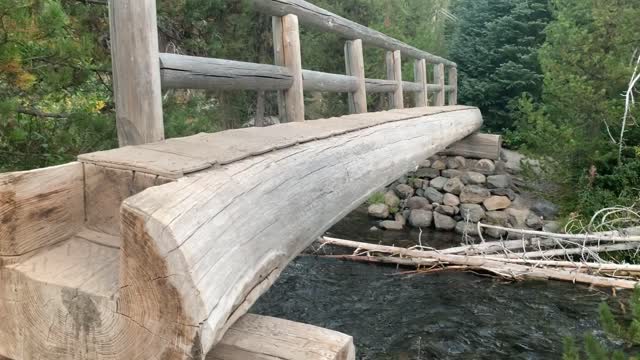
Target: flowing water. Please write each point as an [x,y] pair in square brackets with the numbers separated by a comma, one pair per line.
[449,315]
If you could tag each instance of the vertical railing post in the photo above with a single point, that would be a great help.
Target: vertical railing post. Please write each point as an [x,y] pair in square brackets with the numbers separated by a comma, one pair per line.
[354,59]
[420,76]
[278,57]
[394,72]
[294,96]
[136,71]
[453,81]
[439,79]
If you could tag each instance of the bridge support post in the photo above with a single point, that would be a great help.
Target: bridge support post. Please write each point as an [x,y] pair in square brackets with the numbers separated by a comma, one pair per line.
[354,59]
[136,71]
[453,81]
[438,70]
[420,76]
[294,96]
[278,57]
[394,72]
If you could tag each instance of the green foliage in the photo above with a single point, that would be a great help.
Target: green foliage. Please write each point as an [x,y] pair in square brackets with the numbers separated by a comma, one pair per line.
[495,44]
[376,198]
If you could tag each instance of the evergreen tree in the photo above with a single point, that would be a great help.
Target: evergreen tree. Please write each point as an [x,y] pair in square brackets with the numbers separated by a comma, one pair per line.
[496,43]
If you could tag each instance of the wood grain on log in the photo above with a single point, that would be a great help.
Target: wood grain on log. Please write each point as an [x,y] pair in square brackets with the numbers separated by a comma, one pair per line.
[354,59]
[294,96]
[478,146]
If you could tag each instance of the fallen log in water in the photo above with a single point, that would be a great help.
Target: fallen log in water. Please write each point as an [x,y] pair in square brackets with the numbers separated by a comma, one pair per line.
[494,265]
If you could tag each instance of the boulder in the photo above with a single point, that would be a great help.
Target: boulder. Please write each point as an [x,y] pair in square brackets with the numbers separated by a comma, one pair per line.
[496,203]
[433,195]
[438,183]
[391,199]
[425,163]
[391,225]
[454,186]
[416,183]
[534,221]
[552,226]
[429,173]
[447,210]
[443,222]
[485,166]
[420,218]
[499,218]
[495,233]
[420,192]
[439,164]
[378,211]
[472,212]
[401,219]
[544,208]
[457,162]
[463,227]
[403,179]
[451,173]
[518,217]
[418,202]
[499,181]
[450,199]
[473,194]
[473,178]
[504,192]
[404,191]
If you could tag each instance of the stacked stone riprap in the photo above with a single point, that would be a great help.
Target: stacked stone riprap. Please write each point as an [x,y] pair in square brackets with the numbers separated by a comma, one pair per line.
[455,193]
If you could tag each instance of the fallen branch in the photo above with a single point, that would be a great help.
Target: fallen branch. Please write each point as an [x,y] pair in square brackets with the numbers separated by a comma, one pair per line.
[602,236]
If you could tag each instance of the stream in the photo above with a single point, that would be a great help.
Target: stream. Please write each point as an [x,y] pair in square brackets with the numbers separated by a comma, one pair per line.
[448,315]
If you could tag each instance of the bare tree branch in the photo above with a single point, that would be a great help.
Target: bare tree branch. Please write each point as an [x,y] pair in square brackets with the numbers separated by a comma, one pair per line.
[38,113]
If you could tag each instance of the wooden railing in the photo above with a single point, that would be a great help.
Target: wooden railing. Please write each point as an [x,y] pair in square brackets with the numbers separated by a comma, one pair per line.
[140,72]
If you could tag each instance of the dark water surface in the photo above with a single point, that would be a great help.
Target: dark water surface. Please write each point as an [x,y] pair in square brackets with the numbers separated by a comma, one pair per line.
[438,316]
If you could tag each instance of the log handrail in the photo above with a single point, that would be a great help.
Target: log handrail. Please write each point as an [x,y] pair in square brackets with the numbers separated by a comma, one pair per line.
[140,72]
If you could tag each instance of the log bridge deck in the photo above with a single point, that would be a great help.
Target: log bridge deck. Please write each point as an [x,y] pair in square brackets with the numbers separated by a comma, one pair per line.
[157,249]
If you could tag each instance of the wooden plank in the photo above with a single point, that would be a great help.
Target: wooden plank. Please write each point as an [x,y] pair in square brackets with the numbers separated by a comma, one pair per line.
[420,77]
[354,59]
[294,97]
[321,81]
[40,207]
[478,145]
[278,58]
[453,83]
[394,72]
[409,86]
[324,20]
[190,72]
[136,71]
[439,79]
[255,337]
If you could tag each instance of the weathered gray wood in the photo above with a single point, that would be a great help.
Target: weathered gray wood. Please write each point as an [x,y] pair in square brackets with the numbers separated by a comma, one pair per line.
[327,21]
[394,72]
[190,72]
[294,97]
[321,81]
[354,59]
[408,86]
[438,71]
[379,85]
[255,337]
[136,71]
[420,77]
[478,145]
[278,59]
[453,83]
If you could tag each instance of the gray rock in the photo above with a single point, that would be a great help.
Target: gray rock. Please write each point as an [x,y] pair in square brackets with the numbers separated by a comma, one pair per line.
[420,218]
[495,233]
[473,178]
[472,212]
[454,186]
[416,183]
[391,225]
[457,162]
[485,166]
[404,191]
[439,164]
[401,219]
[379,211]
[552,226]
[499,181]
[438,183]
[518,217]
[534,221]
[403,179]
[504,192]
[450,199]
[420,192]
[499,218]
[391,199]
[444,222]
[446,210]
[544,208]
[429,173]
[473,194]
[463,227]
[496,203]
[433,195]
[425,163]
[451,173]
[417,202]
[373,228]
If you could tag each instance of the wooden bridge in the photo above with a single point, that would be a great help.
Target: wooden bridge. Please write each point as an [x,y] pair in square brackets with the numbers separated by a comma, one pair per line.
[157,249]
